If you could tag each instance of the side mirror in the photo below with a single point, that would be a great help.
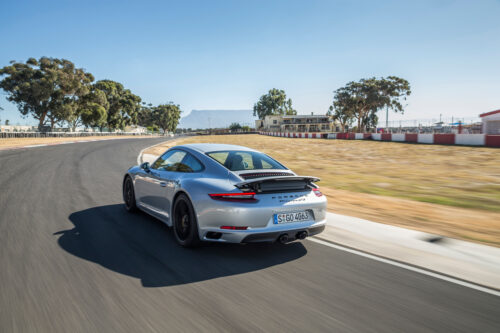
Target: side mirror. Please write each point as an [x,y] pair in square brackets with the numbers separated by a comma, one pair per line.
[145,166]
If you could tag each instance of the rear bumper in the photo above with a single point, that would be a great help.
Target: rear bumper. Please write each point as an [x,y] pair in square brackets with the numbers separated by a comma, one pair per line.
[257,218]
[269,234]
[273,236]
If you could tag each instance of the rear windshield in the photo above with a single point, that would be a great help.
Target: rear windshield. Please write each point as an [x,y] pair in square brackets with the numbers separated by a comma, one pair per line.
[244,160]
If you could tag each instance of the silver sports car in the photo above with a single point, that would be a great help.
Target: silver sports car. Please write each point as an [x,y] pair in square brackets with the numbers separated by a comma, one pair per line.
[226,193]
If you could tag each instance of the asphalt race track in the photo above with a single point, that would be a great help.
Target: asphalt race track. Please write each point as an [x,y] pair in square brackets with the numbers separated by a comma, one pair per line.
[73,260]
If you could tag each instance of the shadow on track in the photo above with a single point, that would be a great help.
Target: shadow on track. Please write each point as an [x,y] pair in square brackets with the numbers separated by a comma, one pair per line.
[143,247]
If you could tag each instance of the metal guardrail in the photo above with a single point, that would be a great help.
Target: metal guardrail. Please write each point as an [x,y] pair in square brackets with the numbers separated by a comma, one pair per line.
[5,135]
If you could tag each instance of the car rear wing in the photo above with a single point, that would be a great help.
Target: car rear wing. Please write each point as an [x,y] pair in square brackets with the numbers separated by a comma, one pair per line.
[279,184]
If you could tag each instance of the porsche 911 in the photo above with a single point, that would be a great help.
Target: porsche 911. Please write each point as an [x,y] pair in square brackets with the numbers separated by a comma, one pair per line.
[226,193]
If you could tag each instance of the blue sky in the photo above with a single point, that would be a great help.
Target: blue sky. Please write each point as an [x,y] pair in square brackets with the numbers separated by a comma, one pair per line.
[225,54]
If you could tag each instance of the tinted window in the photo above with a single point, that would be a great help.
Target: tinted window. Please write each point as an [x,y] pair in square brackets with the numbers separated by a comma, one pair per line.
[244,160]
[189,164]
[219,156]
[266,165]
[170,160]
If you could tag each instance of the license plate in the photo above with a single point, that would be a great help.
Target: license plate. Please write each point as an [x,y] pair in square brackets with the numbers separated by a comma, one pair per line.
[291,217]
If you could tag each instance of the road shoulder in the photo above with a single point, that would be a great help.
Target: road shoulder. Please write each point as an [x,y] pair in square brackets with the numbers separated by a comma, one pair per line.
[477,263]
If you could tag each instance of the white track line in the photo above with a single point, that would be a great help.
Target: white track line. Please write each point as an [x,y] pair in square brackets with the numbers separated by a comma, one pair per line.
[408,267]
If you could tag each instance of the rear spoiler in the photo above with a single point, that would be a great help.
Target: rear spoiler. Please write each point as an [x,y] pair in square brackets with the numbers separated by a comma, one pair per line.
[284,181]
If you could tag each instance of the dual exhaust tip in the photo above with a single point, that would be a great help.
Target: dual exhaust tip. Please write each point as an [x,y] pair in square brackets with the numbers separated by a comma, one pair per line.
[283,238]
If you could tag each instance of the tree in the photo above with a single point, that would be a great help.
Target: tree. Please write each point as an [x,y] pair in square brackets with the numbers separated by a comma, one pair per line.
[7,122]
[80,109]
[75,85]
[371,120]
[395,90]
[343,108]
[153,128]
[44,88]
[123,106]
[94,115]
[365,98]
[273,103]
[145,116]
[93,109]
[166,116]
[234,127]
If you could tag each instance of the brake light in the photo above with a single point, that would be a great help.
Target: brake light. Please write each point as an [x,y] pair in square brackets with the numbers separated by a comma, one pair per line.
[244,196]
[317,192]
[230,227]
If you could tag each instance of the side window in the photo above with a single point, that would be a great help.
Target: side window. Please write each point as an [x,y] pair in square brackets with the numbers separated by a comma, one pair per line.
[189,164]
[169,161]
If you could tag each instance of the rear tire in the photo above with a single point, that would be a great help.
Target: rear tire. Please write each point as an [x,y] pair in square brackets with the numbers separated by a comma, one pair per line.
[129,195]
[185,226]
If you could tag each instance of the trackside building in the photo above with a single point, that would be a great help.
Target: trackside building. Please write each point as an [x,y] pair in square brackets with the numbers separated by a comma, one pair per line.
[491,122]
[297,124]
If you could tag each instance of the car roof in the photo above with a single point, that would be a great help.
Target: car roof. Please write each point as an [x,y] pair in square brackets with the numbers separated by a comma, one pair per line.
[209,147]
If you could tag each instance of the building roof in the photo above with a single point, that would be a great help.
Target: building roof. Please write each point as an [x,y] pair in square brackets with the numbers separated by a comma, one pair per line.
[489,113]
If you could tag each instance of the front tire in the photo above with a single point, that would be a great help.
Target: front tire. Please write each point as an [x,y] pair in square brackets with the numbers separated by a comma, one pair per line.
[129,195]
[185,226]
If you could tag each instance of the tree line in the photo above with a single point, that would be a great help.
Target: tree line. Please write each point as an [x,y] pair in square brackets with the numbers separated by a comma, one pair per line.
[355,102]
[54,92]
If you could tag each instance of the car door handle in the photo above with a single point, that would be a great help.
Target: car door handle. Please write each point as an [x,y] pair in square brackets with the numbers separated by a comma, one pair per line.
[163,184]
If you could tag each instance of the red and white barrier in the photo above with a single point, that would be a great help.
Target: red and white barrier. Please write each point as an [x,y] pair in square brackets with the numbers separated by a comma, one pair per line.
[470,139]
[492,140]
[401,137]
[444,139]
[425,138]
[359,136]
[437,138]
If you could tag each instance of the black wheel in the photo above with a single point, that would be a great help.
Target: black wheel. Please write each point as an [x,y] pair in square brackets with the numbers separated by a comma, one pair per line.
[129,195]
[184,223]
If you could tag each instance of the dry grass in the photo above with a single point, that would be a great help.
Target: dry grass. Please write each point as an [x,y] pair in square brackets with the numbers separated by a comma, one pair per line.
[447,190]
[19,142]
[462,223]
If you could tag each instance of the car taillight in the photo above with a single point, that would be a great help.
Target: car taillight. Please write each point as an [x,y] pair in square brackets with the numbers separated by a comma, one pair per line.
[244,196]
[317,192]
[230,227]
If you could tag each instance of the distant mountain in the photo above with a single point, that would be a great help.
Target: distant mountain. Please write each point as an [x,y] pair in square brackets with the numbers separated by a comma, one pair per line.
[217,118]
